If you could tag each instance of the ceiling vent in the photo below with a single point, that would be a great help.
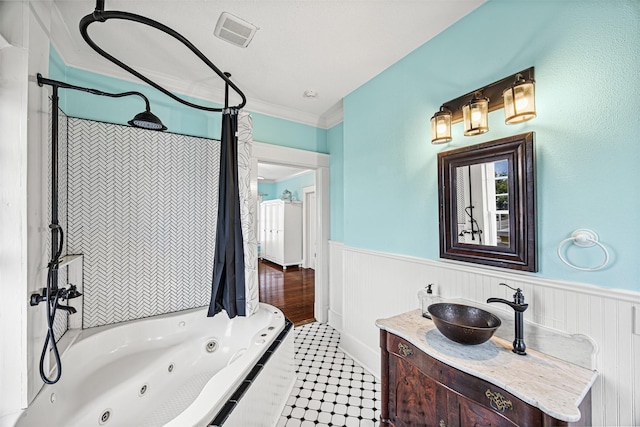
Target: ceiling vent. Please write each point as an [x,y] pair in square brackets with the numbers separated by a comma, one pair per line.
[234,30]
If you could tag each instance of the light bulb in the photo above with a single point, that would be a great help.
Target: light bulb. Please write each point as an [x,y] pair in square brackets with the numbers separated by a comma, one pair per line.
[521,102]
[474,115]
[441,126]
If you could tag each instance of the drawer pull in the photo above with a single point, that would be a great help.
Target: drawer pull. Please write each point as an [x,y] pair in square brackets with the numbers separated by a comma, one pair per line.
[497,401]
[442,424]
[404,350]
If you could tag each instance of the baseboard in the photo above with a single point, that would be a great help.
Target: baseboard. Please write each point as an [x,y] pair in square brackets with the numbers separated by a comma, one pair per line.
[335,320]
[361,353]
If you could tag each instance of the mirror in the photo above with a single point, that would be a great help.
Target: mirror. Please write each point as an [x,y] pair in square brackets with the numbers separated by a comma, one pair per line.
[482,196]
[487,203]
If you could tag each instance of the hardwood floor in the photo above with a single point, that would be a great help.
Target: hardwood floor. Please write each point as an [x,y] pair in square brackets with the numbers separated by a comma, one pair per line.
[291,290]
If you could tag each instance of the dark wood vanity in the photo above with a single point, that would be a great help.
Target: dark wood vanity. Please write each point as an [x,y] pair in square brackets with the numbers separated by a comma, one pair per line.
[419,390]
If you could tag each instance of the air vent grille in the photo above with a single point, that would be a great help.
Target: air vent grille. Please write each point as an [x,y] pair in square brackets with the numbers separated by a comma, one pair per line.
[234,30]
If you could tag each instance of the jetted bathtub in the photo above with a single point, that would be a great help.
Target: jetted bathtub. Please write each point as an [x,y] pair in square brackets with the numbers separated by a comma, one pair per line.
[176,370]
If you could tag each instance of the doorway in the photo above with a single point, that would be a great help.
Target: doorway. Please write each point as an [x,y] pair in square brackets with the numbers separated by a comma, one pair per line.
[286,233]
[318,162]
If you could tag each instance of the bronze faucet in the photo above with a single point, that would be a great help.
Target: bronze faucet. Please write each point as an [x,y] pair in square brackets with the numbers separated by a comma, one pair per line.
[519,306]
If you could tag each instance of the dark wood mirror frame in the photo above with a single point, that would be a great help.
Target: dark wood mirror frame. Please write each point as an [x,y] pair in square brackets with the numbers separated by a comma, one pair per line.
[521,252]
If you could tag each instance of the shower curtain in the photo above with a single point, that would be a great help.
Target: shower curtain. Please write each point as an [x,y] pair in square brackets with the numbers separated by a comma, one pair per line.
[228,284]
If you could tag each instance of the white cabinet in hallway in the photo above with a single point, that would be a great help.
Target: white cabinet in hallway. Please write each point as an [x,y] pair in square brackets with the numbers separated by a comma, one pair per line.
[281,232]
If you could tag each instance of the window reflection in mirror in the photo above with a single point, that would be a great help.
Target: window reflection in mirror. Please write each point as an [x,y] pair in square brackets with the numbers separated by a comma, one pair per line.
[483,203]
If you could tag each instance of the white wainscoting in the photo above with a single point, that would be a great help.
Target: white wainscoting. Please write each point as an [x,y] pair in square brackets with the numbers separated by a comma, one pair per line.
[335,284]
[377,285]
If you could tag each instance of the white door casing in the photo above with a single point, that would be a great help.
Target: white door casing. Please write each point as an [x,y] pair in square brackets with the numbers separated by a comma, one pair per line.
[276,154]
[309,227]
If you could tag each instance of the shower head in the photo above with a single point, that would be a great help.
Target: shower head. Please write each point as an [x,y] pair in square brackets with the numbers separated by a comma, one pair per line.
[144,120]
[147,120]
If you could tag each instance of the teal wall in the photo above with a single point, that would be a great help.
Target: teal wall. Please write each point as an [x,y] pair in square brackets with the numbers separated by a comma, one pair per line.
[268,190]
[335,143]
[587,61]
[295,184]
[177,117]
[272,130]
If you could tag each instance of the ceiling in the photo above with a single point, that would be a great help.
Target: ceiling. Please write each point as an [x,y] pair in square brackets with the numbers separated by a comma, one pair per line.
[328,46]
[274,173]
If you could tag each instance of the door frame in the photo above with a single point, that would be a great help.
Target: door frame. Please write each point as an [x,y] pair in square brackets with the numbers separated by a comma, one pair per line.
[319,162]
[311,189]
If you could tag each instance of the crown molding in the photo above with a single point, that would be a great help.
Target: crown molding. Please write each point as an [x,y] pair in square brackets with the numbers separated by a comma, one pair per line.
[281,112]
[333,115]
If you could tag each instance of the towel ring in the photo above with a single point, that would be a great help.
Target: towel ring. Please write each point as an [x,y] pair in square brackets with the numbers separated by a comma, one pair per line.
[584,238]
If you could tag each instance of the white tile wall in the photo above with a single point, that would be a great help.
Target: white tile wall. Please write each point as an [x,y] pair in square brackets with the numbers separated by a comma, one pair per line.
[142,210]
[378,285]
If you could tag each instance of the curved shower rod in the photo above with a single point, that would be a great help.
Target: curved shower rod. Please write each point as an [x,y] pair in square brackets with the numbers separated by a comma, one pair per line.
[100,15]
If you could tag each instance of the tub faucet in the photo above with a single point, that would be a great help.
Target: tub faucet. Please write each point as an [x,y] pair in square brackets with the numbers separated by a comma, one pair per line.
[519,307]
[67,308]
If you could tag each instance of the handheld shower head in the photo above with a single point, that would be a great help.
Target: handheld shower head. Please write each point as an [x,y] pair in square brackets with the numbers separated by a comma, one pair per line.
[147,120]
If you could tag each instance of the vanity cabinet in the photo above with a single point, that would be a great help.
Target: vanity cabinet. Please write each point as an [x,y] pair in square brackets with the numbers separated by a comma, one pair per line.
[419,390]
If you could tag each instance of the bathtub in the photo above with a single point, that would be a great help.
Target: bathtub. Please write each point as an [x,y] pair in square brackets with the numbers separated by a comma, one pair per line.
[175,370]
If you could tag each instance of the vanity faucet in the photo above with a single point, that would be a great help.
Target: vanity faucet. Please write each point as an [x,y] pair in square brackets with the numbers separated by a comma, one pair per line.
[519,307]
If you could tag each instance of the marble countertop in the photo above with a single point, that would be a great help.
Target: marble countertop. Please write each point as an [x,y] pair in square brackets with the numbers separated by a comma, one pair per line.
[553,385]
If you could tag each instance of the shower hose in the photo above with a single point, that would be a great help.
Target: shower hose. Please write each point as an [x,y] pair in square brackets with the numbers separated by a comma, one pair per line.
[52,304]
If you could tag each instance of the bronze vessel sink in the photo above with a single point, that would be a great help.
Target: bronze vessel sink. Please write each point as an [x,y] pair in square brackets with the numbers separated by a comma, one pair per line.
[464,324]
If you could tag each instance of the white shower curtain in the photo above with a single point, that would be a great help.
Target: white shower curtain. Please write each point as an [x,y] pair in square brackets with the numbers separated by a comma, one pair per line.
[247,211]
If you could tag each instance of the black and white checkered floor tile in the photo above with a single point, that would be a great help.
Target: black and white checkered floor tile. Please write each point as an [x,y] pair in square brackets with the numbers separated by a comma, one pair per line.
[331,390]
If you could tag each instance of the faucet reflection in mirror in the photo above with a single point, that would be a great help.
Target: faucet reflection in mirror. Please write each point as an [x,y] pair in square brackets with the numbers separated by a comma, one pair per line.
[515,93]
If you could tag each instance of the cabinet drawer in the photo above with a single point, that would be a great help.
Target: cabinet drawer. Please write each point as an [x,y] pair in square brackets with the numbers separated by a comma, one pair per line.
[493,398]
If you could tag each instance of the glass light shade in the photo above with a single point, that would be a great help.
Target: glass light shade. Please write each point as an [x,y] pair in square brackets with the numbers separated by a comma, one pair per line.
[475,116]
[519,102]
[441,126]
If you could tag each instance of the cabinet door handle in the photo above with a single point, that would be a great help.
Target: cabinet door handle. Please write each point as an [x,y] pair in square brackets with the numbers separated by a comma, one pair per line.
[442,424]
[404,350]
[498,402]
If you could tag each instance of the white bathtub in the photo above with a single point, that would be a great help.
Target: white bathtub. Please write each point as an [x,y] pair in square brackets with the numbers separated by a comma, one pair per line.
[175,370]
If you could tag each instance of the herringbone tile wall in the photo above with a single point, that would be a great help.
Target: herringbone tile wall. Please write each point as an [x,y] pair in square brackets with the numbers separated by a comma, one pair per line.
[142,208]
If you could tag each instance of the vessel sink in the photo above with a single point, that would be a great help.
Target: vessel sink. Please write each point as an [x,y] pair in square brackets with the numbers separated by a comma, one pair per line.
[464,324]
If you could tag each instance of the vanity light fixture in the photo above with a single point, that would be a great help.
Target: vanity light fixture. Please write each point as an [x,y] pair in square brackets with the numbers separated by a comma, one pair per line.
[514,93]
[519,101]
[441,126]
[475,115]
